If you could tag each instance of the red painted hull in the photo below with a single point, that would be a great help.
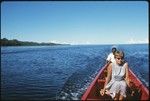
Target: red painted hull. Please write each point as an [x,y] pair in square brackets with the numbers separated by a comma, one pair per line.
[92,92]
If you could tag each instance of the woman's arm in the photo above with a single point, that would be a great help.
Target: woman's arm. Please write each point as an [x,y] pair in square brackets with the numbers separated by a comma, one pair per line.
[109,70]
[127,73]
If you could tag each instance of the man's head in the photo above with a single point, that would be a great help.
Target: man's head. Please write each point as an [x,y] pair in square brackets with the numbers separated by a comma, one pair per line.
[114,49]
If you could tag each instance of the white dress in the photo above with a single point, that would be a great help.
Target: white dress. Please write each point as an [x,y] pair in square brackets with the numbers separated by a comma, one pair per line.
[117,83]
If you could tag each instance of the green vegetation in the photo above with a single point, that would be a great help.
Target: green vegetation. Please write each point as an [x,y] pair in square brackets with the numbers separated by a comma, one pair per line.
[15,42]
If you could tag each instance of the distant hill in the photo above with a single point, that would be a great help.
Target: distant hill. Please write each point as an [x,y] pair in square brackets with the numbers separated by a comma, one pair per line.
[15,42]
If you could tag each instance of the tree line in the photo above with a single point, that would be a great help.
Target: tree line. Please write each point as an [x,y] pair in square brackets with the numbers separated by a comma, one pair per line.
[15,42]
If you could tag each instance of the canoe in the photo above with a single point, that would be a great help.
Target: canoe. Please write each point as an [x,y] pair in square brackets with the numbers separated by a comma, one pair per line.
[136,91]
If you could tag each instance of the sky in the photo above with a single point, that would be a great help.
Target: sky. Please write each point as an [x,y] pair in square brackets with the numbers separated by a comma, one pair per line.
[76,22]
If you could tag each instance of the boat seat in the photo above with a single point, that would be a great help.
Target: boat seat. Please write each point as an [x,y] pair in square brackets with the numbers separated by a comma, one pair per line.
[101,81]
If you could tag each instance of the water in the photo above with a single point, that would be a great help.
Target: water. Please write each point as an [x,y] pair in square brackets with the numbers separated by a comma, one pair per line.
[60,72]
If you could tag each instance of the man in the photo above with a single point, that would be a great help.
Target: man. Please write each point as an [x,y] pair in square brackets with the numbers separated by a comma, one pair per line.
[110,57]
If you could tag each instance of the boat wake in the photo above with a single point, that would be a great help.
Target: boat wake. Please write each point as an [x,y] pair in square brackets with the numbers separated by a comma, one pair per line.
[78,82]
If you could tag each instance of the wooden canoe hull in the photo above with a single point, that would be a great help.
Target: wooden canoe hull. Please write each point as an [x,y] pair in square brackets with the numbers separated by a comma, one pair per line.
[92,92]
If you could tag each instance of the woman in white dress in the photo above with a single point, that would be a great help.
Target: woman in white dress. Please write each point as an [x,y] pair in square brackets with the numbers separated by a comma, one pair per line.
[117,78]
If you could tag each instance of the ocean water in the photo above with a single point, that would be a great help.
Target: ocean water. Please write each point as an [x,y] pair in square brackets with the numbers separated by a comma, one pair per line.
[61,72]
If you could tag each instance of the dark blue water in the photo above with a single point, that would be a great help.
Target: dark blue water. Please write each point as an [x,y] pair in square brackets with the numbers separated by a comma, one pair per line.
[61,72]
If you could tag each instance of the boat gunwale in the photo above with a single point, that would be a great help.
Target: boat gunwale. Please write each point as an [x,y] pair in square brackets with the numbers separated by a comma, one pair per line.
[87,92]
[140,83]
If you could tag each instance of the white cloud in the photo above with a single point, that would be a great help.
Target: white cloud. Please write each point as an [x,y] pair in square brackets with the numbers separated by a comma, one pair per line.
[54,41]
[70,42]
[133,41]
[80,43]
